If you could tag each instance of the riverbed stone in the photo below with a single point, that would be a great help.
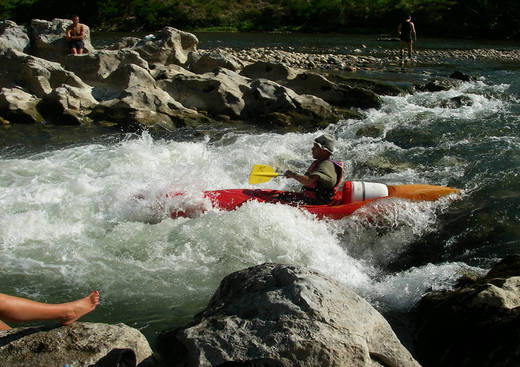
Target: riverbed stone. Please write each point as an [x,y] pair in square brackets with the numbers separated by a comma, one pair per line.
[476,324]
[48,39]
[80,345]
[288,313]
[13,36]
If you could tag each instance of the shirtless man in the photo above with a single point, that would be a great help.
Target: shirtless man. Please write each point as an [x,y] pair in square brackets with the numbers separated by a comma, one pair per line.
[406,30]
[75,34]
[16,309]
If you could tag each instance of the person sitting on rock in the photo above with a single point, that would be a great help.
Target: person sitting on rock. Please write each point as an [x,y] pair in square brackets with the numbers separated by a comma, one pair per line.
[75,34]
[321,180]
[16,309]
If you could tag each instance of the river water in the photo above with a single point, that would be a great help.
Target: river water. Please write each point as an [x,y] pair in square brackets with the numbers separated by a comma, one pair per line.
[70,221]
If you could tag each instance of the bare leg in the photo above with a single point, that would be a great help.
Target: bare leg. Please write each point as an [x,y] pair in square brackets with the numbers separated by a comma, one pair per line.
[80,51]
[410,49]
[15,309]
[73,51]
[402,49]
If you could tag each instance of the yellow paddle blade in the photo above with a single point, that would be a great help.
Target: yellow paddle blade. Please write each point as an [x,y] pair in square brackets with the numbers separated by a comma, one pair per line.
[261,173]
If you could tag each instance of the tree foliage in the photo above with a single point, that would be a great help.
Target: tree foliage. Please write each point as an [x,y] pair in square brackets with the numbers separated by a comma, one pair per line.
[477,18]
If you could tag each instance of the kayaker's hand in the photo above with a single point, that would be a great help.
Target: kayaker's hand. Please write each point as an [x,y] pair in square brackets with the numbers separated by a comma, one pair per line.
[289,174]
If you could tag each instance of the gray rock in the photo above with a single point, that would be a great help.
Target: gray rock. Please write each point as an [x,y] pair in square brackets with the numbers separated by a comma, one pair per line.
[169,46]
[67,105]
[80,344]
[20,106]
[205,62]
[147,107]
[219,93]
[268,70]
[95,67]
[37,76]
[48,39]
[337,94]
[13,36]
[474,325]
[288,313]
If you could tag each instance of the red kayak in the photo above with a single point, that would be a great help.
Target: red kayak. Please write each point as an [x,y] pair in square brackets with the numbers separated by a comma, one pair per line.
[353,196]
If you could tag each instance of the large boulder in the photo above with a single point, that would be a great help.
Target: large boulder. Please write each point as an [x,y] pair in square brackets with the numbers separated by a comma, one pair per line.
[219,92]
[13,36]
[474,325]
[337,94]
[292,314]
[67,105]
[203,61]
[276,72]
[168,46]
[224,92]
[144,107]
[48,39]
[95,68]
[80,345]
[37,76]
[19,106]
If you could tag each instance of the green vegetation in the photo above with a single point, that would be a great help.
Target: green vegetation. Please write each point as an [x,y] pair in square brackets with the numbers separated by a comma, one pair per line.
[459,18]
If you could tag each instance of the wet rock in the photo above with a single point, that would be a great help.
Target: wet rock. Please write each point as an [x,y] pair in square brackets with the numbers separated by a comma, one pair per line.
[48,39]
[13,36]
[474,325]
[457,102]
[439,84]
[20,106]
[81,344]
[288,313]
[461,76]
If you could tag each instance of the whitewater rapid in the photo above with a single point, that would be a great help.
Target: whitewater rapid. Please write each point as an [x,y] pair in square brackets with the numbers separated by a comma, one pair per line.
[94,215]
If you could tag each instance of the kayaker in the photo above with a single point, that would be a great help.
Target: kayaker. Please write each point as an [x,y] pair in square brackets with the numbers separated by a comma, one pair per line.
[17,309]
[323,177]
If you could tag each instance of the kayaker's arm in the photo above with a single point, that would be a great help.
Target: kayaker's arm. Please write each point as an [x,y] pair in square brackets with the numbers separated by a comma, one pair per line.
[309,181]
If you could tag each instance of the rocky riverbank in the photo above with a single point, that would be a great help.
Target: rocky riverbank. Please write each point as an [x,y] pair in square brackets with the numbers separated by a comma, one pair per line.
[287,316]
[355,59]
[164,80]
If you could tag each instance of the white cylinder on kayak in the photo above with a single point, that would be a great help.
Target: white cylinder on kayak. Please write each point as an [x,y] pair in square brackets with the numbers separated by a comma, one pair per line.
[368,190]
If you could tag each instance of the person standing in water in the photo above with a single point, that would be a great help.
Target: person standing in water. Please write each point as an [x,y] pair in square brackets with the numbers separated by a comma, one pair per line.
[75,34]
[16,309]
[406,30]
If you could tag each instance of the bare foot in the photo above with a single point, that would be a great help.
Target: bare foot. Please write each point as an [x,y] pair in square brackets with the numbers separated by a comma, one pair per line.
[80,308]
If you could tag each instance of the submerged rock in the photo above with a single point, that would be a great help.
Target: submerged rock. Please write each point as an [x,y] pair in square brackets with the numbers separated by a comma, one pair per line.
[290,314]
